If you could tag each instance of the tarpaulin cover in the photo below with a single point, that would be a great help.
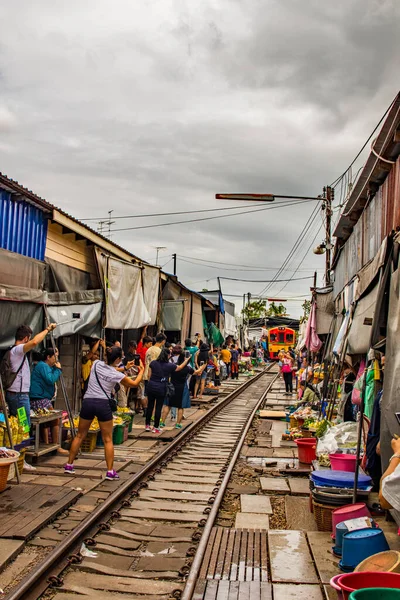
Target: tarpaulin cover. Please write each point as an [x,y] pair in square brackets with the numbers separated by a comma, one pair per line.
[21,271]
[13,314]
[171,291]
[349,293]
[369,273]
[62,278]
[360,332]
[151,283]
[85,297]
[230,325]
[21,294]
[214,335]
[391,390]
[125,307]
[89,323]
[216,298]
[197,316]
[171,315]
[325,310]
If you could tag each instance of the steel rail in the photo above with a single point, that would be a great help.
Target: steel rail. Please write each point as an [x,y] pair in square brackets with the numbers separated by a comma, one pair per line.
[198,558]
[56,561]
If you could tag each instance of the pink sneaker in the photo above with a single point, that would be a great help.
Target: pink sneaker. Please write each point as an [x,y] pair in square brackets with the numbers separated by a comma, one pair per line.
[148,428]
[156,430]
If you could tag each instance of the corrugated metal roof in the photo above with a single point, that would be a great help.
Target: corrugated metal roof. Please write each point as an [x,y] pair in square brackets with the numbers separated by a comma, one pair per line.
[22,193]
[23,227]
[373,174]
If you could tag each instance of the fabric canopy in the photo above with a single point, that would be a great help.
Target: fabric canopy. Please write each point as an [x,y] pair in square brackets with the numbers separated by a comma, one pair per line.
[230,325]
[21,271]
[62,278]
[85,297]
[312,341]
[151,284]
[325,310]
[88,323]
[197,316]
[13,314]
[22,294]
[171,315]
[125,307]
[358,341]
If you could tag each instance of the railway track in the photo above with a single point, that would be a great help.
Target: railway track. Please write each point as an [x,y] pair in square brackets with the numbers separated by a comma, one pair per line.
[151,534]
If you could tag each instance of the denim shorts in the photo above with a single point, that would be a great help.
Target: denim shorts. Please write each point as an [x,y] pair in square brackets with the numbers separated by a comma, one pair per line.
[16,400]
[96,407]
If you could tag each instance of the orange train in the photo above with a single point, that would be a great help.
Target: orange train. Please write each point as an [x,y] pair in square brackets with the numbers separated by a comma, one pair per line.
[280,338]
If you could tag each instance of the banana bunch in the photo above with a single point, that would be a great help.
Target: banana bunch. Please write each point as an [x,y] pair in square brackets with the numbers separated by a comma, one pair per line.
[95,425]
[67,424]
[118,420]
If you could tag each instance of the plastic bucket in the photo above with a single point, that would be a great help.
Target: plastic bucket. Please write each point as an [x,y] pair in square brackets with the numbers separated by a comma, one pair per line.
[348,512]
[356,581]
[375,594]
[306,450]
[334,585]
[343,462]
[341,529]
[359,544]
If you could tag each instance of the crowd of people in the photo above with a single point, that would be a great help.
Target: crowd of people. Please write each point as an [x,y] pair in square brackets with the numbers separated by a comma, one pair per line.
[153,376]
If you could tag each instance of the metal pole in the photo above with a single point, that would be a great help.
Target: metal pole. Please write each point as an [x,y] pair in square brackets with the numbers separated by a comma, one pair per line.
[328,204]
[359,432]
[174,259]
[62,382]
[4,408]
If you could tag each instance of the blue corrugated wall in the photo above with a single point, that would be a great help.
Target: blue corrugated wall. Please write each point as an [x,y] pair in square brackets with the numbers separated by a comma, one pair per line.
[23,228]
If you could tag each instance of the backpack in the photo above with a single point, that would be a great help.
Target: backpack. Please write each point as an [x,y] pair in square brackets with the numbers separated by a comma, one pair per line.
[8,376]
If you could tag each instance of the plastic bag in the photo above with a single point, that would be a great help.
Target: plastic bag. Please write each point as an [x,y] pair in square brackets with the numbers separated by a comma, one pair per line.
[338,437]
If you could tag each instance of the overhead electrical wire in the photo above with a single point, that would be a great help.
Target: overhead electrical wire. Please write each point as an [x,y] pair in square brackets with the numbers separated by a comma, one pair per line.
[335,183]
[295,246]
[214,262]
[264,280]
[228,268]
[274,206]
[167,214]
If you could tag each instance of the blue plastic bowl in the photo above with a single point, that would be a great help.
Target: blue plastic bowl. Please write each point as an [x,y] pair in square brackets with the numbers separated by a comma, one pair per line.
[359,545]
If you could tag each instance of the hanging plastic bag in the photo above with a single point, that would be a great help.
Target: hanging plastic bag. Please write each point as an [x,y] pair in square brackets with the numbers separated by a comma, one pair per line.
[339,437]
[357,389]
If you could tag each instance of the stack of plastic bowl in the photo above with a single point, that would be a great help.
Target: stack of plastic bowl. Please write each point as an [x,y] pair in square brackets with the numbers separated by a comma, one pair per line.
[340,530]
[346,584]
[359,544]
[349,512]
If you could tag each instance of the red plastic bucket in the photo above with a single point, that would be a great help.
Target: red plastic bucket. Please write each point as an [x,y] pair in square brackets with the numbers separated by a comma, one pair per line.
[368,579]
[343,462]
[306,450]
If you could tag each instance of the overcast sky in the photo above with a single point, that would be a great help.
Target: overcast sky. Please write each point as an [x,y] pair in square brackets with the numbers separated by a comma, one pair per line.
[154,106]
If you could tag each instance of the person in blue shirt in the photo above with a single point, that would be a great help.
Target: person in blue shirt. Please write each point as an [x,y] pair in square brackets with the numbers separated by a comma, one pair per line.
[43,389]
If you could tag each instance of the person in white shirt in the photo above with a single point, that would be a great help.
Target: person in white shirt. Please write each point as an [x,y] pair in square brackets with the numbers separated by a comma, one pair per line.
[389,493]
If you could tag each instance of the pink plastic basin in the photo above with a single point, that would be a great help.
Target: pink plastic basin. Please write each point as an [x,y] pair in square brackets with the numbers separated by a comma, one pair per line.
[343,462]
[347,512]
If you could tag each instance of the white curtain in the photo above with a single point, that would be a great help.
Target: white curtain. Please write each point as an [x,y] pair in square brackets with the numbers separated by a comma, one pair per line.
[151,283]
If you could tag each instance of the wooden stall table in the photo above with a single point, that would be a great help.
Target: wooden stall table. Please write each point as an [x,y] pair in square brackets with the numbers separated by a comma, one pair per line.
[39,449]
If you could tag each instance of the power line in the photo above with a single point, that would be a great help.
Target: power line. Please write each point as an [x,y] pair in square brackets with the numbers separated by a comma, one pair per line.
[264,280]
[183,212]
[229,269]
[334,184]
[216,262]
[295,246]
[208,218]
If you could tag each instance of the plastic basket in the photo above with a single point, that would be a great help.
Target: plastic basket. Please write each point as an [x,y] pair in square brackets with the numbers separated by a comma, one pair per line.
[120,434]
[89,443]
[293,422]
[20,461]
[323,516]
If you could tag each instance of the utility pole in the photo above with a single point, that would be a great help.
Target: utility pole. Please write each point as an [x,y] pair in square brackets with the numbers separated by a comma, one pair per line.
[329,193]
[174,259]
[158,248]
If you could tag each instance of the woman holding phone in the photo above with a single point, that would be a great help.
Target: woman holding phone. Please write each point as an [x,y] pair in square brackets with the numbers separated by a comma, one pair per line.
[179,379]
[201,358]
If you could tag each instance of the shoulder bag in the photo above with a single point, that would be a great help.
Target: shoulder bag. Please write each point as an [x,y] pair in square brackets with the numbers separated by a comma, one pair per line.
[111,401]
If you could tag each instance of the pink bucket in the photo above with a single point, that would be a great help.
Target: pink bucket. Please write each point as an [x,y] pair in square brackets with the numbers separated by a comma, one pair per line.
[343,462]
[347,512]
